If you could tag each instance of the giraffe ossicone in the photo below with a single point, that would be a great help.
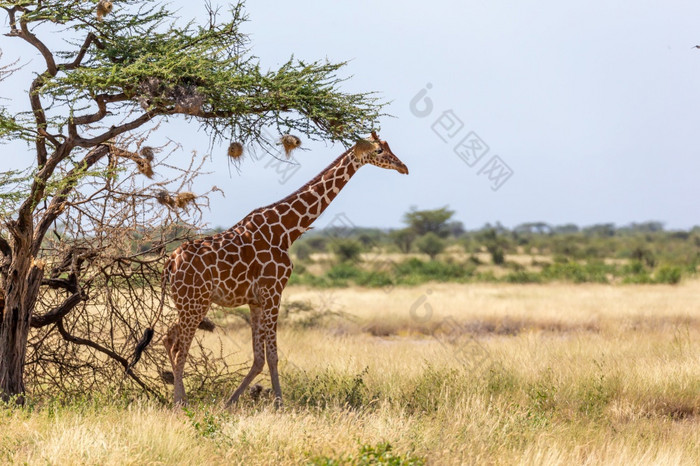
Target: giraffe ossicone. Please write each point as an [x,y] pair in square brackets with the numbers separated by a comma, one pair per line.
[250,264]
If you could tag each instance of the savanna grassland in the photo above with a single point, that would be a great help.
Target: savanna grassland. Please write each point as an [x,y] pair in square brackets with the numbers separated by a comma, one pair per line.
[470,373]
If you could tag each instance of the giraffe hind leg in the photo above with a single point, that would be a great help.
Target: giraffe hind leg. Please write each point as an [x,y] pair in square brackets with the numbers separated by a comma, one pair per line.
[258,356]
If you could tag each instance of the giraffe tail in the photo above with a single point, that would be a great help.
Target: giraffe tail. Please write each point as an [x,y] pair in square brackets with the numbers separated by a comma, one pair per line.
[140,347]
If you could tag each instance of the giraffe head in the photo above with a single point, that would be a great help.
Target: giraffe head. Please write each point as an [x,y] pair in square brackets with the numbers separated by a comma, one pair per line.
[377,152]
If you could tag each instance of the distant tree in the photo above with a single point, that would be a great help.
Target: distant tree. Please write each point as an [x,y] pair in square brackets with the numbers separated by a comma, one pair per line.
[600,229]
[643,227]
[495,244]
[538,228]
[430,244]
[429,221]
[645,255]
[346,250]
[455,228]
[317,242]
[369,238]
[568,228]
[403,239]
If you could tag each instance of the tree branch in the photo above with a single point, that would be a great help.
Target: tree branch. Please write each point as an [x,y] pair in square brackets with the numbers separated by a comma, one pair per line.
[102,100]
[81,54]
[24,217]
[57,205]
[40,118]
[57,313]
[114,131]
[27,35]
[81,341]
[5,248]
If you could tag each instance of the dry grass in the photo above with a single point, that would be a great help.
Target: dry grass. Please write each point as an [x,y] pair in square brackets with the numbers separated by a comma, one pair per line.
[493,374]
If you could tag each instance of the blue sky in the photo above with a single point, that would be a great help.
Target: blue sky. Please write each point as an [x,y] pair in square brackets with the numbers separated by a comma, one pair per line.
[593,107]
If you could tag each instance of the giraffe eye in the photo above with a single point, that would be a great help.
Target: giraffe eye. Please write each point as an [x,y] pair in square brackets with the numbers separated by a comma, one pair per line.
[379,150]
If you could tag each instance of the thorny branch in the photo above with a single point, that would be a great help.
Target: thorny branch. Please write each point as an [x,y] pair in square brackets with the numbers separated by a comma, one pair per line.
[102,284]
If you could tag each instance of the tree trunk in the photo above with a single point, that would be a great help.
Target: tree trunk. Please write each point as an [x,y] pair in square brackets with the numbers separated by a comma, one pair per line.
[21,287]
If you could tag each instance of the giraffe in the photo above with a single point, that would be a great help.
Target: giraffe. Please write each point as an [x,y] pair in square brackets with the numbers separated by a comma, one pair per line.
[250,264]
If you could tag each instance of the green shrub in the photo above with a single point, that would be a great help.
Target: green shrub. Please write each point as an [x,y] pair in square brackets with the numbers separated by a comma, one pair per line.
[347,250]
[523,276]
[594,271]
[415,271]
[343,271]
[375,279]
[303,251]
[668,274]
[379,454]
[498,256]
[328,388]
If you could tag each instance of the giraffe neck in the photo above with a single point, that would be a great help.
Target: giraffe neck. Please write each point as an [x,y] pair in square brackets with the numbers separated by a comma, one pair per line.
[300,209]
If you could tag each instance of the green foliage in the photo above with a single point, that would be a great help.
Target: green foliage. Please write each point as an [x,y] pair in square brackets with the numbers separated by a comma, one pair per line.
[13,190]
[628,255]
[303,314]
[595,393]
[403,239]
[328,388]
[379,454]
[542,403]
[375,279]
[668,274]
[596,272]
[140,59]
[500,381]
[430,244]
[414,271]
[207,426]
[429,221]
[497,255]
[523,276]
[347,250]
[302,251]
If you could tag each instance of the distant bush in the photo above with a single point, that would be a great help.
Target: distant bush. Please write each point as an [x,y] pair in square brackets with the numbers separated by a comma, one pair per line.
[343,271]
[498,256]
[375,279]
[414,271]
[303,251]
[522,276]
[347,250]
[596,272]
[668,274]
[474,260]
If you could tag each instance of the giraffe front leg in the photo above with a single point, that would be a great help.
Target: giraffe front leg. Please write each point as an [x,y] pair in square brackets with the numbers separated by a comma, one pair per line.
[258,356]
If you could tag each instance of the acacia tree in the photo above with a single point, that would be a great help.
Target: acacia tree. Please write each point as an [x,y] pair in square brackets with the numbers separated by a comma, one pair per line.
[111,78]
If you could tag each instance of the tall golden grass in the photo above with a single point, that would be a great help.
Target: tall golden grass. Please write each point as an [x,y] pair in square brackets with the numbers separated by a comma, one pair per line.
[445,374]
